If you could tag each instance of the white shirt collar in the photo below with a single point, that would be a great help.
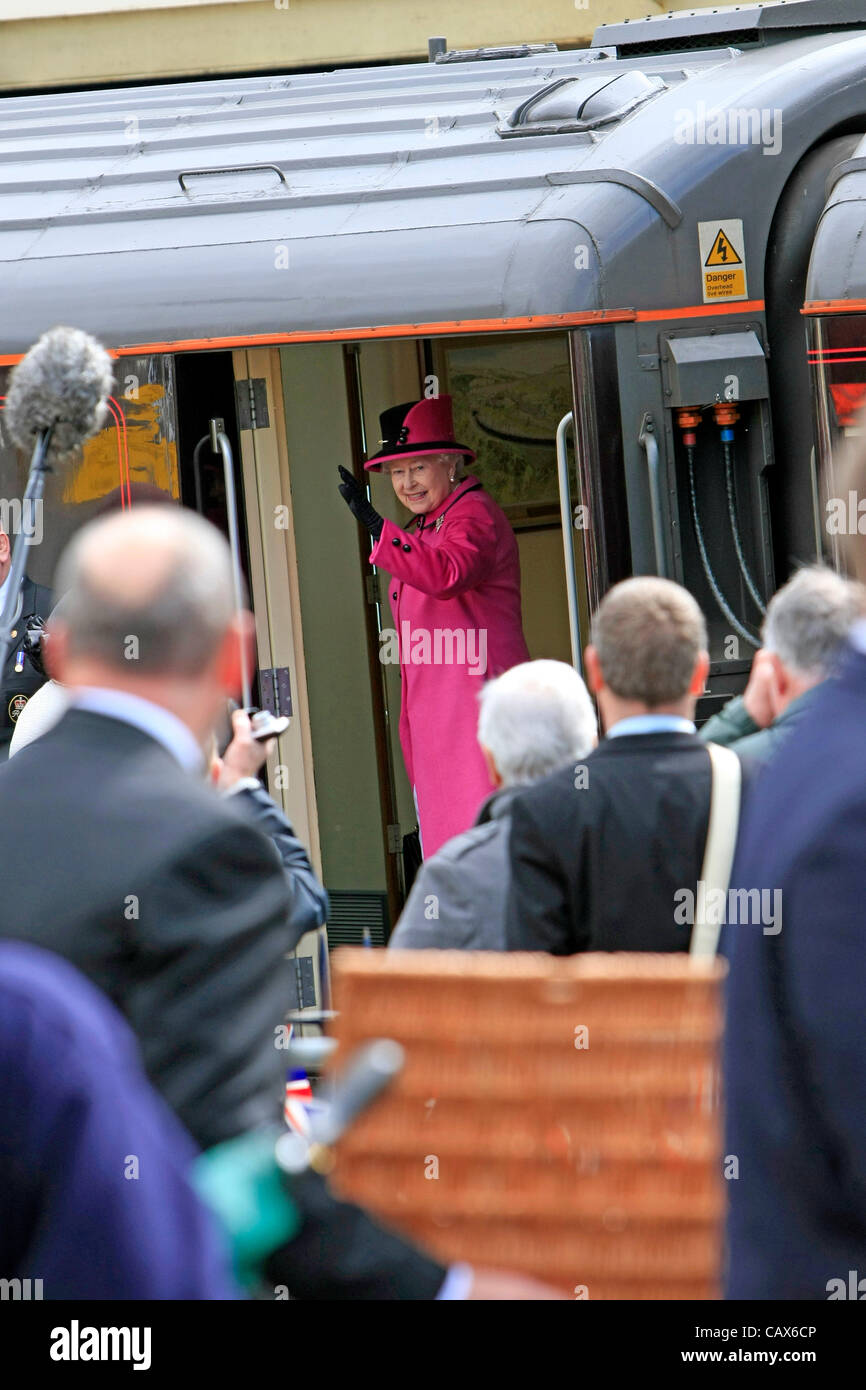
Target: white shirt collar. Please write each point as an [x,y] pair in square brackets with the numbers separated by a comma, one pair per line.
[143,714]
[651,724]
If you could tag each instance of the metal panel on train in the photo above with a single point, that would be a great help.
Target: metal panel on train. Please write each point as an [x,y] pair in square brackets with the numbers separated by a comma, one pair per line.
[415,193]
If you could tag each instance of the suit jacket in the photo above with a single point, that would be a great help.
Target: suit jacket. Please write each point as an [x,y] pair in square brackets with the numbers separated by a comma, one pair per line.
[733,728]
[599,851]
[309,900]
[18,686]
[459,897]
[166,897]
[795,1048]
[174,903]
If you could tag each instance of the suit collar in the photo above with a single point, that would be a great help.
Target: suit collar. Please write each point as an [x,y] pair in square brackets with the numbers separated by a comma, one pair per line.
[637,742]
[105,734]
[159,723]
[498,804]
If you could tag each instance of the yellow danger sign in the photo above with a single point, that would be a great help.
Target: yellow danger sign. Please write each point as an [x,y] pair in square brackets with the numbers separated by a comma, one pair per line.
[723,260]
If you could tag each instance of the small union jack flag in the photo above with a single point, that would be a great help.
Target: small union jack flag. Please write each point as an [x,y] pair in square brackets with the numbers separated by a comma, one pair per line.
[299,1095]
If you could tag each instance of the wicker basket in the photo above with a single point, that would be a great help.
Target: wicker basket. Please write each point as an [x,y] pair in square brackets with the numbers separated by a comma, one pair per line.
[557,1117]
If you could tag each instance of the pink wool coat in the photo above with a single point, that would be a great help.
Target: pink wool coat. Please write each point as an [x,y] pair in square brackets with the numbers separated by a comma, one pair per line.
[455,597]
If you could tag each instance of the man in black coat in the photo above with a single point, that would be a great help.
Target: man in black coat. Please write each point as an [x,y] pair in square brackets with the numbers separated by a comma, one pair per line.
[21,679]
[602,851]
[164,895]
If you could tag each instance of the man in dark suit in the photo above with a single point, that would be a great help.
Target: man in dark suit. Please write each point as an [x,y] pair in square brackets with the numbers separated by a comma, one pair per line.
[795,1044]
[20,678]
[166,896]
[600,850]
[127,864]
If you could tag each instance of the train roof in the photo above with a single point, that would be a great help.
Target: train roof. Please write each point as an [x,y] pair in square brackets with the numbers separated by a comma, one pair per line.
[527,189]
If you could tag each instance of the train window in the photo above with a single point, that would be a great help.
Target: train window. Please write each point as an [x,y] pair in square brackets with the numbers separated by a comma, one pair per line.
[137,445]
[837,354]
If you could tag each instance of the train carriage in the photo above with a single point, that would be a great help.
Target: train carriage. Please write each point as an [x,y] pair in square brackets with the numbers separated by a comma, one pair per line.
[638,268]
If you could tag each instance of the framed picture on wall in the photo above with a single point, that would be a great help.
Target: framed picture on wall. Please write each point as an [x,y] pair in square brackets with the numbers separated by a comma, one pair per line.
[510,394]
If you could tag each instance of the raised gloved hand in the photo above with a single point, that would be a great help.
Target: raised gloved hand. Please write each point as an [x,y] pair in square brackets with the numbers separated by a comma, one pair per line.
[353,495]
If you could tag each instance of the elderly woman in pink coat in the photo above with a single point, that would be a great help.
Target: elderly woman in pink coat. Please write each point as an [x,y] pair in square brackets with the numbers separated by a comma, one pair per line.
[455,596]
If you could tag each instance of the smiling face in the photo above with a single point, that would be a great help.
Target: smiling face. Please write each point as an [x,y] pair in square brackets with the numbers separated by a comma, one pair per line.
[422,481]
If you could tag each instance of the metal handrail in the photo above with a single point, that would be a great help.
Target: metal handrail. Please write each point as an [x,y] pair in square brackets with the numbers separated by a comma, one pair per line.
[649,444]
[567,541]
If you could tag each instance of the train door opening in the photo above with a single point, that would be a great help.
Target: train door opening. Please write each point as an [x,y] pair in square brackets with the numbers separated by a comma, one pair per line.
[242,392]
[510,393]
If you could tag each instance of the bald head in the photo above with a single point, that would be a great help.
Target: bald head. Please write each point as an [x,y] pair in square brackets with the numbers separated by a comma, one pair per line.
[147,591]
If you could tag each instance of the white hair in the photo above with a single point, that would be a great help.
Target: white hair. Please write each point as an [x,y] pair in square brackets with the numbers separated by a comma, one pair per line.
[536,718]
[809,618]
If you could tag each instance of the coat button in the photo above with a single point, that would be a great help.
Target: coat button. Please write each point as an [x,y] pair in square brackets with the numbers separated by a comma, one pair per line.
[394,596]
[396,540]
[407,547]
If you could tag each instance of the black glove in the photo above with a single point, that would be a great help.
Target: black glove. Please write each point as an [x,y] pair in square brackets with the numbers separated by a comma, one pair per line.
[33,643]
[353,495]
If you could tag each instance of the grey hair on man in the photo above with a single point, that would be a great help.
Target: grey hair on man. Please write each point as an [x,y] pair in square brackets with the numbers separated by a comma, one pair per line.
[535,718]
[809,618]
[155,582]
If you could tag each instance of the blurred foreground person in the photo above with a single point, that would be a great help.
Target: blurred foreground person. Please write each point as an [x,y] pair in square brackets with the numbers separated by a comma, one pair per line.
[807,622]
[601,854]
[235,774]
[535,718]
[795,1045]
[165,896]
[95,1200]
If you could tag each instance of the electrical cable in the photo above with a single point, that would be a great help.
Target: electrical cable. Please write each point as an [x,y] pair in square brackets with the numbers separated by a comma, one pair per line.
[752,587]
[705,559]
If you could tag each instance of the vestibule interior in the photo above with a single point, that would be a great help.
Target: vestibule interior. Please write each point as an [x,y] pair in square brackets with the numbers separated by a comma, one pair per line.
[509,394]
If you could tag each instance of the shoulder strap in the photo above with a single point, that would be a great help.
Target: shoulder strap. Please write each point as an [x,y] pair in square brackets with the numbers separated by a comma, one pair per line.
[721,841]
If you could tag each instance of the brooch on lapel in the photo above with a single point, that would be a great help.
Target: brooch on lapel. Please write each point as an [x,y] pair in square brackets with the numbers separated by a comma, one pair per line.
[439,521]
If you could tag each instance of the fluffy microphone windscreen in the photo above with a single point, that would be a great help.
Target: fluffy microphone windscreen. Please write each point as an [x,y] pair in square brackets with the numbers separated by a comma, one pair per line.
[64,381]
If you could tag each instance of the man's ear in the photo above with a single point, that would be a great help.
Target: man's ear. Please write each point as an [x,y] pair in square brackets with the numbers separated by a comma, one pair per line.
[239,636]
[779,684]
[592,666]
[490,763]
[699,675]
[55,651]
[5,548]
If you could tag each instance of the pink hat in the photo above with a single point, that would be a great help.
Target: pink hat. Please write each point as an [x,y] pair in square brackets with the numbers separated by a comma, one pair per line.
[417,427]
